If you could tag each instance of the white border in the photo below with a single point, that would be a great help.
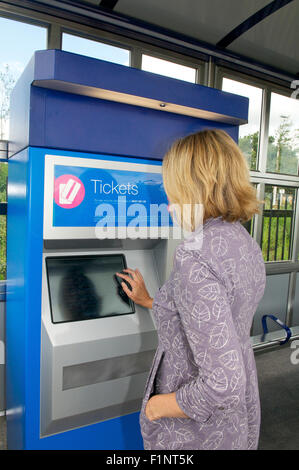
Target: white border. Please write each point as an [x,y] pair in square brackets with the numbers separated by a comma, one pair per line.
[57,233]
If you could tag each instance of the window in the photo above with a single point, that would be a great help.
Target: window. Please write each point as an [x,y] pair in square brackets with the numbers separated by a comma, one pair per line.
[3,187]
[283,140]
[278,221]
[274,301]
[95,49]
[167,68]
[248,133]
[18,41]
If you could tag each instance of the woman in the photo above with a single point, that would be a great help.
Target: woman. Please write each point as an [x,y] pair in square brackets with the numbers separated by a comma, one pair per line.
[202,391]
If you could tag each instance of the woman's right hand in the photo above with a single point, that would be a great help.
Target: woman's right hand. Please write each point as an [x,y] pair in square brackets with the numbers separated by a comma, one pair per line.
[138,292]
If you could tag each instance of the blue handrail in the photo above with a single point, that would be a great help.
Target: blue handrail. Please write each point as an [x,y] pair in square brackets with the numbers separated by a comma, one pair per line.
[280,323]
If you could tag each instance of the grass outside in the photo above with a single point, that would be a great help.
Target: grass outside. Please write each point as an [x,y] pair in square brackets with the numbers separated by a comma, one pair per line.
[282,243]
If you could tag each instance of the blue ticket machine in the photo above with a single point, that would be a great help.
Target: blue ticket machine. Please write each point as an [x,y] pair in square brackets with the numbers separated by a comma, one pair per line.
[85,200]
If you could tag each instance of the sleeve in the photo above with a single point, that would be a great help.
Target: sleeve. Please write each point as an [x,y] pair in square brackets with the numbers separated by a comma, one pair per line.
[205,314]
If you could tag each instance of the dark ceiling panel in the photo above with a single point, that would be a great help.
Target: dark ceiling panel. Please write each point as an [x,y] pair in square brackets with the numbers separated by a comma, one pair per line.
[254,19]
[206,20]
[274,41]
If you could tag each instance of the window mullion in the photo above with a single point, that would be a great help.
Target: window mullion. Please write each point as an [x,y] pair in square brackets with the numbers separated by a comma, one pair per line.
[295,249]
[258,222]
[264,131]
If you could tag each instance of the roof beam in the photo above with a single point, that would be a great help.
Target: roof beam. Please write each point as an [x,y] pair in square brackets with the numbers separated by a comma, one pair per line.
[254,19]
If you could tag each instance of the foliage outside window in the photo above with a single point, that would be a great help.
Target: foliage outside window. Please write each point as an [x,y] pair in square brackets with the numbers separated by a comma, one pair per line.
[13,60]
[283,141]
[248,133]
[7,81]
[278,221]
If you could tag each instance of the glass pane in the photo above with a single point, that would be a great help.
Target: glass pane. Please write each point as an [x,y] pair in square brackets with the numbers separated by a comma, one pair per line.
[283,142]
[2,247]
[274,302]
[95,49]
[3,197]
[18,41]
[248,133]
[167,68]
[3,181]
[278,220]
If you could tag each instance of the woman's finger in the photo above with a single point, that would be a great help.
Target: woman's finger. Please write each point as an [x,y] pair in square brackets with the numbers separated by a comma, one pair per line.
[127,278]
[127,290]
[138,274]
[131,271]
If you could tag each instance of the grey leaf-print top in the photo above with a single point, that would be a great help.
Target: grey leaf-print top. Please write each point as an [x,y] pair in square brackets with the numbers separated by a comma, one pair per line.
[203,315]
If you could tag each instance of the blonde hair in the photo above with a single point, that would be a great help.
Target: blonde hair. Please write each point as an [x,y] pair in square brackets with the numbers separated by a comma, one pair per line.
[208,167]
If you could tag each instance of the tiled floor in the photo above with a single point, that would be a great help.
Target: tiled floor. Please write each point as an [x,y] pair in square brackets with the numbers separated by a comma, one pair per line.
[279,393]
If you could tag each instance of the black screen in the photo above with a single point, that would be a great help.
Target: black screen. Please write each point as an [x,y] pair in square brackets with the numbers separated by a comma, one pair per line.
[84,287]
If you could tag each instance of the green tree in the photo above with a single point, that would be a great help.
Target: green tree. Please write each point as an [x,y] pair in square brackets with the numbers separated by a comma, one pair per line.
[283,149]
[3,181]
[7,82]
[249,145]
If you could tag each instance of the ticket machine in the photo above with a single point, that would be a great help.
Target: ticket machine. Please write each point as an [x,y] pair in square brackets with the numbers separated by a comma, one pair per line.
[86,200]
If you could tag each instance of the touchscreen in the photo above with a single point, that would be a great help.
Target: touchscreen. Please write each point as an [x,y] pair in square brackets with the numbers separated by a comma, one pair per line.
[85,287]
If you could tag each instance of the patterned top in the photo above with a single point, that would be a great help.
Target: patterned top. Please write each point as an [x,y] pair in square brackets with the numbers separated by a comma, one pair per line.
[203,315]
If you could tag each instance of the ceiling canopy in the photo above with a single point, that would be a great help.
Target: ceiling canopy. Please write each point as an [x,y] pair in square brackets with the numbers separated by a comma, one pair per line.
[260,31]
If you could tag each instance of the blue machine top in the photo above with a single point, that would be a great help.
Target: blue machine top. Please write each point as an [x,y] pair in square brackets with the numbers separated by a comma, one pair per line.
[72,68]
[69,101]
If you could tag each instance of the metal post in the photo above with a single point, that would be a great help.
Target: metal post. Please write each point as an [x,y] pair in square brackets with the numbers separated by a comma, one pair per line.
[136,58]
[54,37]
